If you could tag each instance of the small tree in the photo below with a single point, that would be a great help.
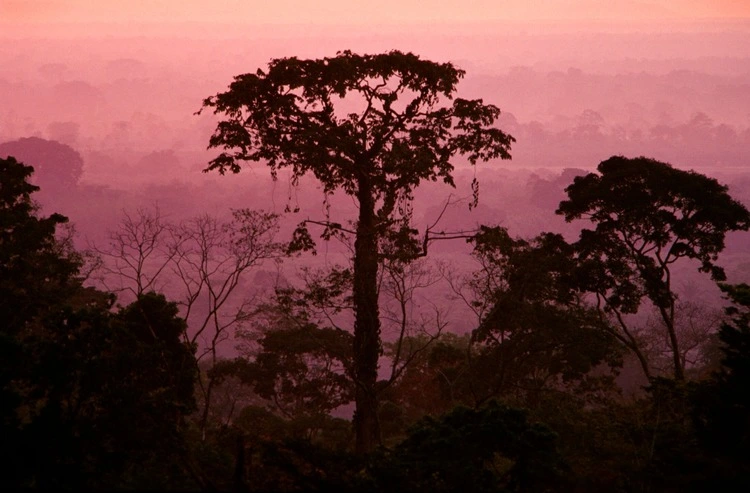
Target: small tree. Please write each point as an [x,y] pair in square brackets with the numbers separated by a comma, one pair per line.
[206,259]
[372,126]
[138,253]
[294,354]
[647,216]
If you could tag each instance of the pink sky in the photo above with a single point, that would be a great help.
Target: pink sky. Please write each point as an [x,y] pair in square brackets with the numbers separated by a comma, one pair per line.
[344,12]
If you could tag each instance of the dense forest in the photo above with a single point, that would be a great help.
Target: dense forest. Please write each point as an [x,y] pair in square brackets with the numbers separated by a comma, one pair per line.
[334,346]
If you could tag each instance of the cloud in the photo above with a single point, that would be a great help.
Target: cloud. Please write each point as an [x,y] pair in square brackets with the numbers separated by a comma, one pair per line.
[323,12]
[31,10]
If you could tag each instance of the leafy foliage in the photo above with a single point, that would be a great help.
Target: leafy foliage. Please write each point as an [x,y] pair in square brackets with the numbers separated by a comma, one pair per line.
[538,331]
[90,399]
[303,370]
[36,270]
[722,411]
[299,98]
[649,214]
[493,448]
[294,357]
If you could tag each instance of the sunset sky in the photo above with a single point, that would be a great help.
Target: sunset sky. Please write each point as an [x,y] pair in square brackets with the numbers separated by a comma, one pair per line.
[344,12]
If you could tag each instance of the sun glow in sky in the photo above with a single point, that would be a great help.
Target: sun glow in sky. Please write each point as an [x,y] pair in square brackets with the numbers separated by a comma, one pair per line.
[343,12]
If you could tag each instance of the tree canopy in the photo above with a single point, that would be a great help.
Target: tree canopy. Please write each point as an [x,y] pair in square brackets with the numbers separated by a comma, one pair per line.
[58,166]
[647,215]
[32,260]
[538,329]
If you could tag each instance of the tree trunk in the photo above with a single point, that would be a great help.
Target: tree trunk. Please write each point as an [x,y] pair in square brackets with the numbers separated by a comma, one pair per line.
[366,323]
[642,360]
[668,318]
[206,407]
[239,466]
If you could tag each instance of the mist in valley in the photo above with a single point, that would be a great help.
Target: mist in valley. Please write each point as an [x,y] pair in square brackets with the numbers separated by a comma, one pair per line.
[571,98]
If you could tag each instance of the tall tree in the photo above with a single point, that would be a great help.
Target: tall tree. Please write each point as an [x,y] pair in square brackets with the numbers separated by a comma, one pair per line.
[375,127]
[648,215]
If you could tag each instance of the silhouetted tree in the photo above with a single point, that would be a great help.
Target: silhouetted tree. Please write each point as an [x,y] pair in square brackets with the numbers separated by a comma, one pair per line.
[647,216]
[37,277]
[293,353]
[138,254]
[301,371]
[32,260]
[372,126]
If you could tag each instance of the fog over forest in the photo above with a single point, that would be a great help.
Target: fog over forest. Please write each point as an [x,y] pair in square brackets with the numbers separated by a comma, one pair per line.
[110,121]
[571,97]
